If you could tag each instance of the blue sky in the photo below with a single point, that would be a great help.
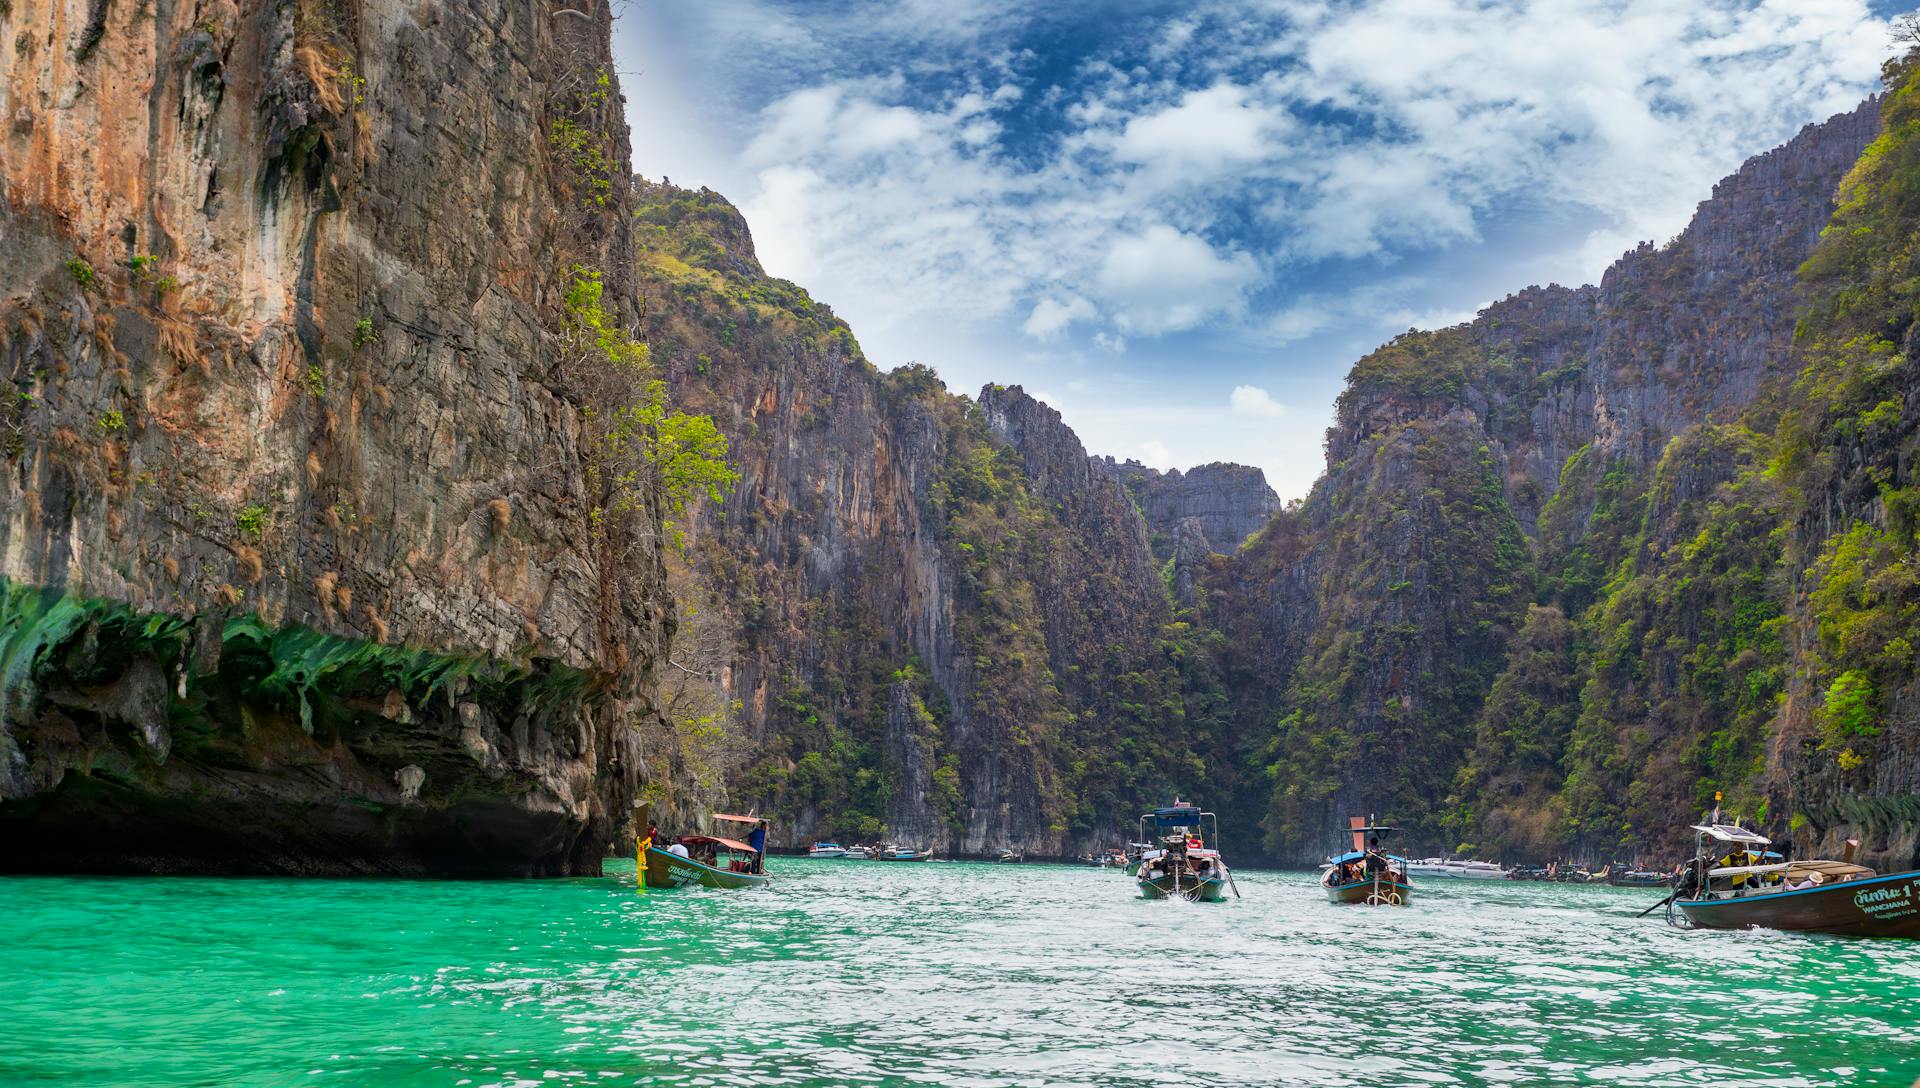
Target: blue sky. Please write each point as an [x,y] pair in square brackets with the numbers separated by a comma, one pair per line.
[1180,223]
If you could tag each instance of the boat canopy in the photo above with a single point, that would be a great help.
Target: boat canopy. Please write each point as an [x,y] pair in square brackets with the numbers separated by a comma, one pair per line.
[1356,855]
[732,819]
[1832,870]
[1183,816]
[1732,833]
[731,844]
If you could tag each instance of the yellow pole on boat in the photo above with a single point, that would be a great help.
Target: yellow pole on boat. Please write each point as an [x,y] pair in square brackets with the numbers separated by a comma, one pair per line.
[642,840]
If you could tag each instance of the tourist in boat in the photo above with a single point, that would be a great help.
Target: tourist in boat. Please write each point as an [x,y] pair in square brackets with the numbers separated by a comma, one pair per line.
[1740,857]
[679,848]
[758,840]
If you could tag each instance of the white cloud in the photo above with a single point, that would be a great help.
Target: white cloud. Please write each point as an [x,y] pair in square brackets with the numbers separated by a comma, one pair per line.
[1052,316]
[1255,402]
[1153,454]
[1164,280]
[1206,129]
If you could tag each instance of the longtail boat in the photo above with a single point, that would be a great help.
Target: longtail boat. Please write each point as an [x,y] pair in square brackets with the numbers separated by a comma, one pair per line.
[1732,885]
[1636,878]
[1364,874]
[898,853]
[700,863]
[1183,863]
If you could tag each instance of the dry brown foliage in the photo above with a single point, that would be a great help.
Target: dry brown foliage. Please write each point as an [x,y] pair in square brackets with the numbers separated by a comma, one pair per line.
[248,560]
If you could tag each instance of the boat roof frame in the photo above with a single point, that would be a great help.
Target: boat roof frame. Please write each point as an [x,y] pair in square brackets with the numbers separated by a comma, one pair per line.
[1732,833]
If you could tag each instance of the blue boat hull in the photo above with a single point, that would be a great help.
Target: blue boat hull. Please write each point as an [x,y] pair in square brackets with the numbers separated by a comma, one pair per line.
[1880,906]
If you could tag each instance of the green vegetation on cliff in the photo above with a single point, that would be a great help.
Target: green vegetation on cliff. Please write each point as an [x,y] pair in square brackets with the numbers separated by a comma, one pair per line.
[924,645]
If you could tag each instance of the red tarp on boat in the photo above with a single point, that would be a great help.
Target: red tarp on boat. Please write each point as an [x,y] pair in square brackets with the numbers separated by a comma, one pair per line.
[731,844]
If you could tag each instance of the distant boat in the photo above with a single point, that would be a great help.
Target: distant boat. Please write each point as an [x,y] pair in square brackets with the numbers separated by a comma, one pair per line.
[901,854]
[1730,885]
[1184,863]
[1637,878]
[857,853]
[1010,855]
[1364,874]
[1134,852]
[827,850]
[1457,868]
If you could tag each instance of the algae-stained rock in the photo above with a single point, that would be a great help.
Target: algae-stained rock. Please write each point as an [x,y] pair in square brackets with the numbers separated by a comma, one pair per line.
[280,758]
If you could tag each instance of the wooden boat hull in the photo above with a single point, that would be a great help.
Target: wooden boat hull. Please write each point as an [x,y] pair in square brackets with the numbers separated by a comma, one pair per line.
[1377,893]
[669,870]
[1639,882]
[1210,889]
[1881,906]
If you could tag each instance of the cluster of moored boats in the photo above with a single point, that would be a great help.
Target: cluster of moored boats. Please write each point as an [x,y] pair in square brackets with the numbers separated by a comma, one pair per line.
[1618,875]
[1734,880]
[875,852]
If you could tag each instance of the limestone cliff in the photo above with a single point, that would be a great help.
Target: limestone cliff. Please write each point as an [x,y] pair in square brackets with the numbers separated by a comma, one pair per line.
[1527,454]
[1225,503]
[298,517]
[949,627]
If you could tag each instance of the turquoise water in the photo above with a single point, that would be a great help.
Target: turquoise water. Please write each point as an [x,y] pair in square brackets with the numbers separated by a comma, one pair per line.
[849,973]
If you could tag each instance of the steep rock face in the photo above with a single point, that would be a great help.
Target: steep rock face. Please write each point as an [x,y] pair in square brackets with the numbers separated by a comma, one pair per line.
[1227,503]
[284,382]
[1546,416]
[949,627]
[1845,754]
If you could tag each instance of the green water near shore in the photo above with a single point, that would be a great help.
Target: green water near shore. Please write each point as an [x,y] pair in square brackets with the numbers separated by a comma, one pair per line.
[847,973]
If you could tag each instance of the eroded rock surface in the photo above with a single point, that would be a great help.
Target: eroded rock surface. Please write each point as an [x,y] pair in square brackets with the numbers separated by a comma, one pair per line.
[279,287]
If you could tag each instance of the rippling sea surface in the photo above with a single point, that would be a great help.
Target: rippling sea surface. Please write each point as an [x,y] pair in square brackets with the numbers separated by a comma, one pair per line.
[851,973]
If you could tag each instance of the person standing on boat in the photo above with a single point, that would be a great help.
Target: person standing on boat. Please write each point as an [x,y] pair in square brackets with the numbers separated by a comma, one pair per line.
[1741,857]
[1375,862]
[758,840]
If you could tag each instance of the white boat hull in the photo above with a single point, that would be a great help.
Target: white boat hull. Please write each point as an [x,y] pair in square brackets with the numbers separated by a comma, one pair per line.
[1458,872]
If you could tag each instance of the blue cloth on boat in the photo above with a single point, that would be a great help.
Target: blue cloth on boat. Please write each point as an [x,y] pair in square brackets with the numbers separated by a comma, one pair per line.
[758,840]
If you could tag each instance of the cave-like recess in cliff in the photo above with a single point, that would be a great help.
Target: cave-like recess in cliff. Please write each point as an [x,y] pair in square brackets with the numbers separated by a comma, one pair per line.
[135,741]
